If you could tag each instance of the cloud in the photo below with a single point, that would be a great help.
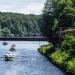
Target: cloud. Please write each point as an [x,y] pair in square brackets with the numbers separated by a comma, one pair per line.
[35,8]
[22,6]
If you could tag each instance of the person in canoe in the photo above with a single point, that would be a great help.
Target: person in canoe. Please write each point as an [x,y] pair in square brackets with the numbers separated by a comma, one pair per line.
[13,49]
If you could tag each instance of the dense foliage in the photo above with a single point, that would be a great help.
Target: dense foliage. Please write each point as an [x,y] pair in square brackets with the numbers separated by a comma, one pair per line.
[20,25]
[43,49]
[64,56]
[58,13]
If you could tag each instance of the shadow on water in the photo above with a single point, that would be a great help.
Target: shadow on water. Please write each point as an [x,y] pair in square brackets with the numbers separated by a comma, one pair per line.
[28,61]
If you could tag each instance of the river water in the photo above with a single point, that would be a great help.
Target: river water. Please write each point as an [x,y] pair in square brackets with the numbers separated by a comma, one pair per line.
[28,61]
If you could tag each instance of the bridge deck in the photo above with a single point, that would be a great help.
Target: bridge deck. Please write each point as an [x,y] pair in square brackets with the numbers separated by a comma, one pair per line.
[24,39]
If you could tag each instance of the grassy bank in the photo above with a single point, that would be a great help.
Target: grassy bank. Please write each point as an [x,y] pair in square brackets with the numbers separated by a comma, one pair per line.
[63,57]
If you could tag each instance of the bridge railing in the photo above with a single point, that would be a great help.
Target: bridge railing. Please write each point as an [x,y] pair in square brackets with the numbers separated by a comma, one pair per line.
[23,39]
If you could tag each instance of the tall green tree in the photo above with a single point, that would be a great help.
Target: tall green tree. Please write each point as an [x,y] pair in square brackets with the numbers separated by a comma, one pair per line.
[48,14]
[58,13]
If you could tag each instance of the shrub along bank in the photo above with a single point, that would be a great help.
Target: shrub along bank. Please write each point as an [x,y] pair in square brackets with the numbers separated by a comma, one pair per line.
[64,57]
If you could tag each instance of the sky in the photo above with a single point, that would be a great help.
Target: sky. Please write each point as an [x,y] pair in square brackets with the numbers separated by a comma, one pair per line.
[22,6]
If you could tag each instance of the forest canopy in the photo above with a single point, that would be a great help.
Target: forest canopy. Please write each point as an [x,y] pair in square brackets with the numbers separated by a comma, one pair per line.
[20,25]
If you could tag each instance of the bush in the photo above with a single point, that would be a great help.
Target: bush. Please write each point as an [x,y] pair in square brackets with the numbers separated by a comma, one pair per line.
[71,66]
[68,44]
[64,57]
[43,49]
[59,57]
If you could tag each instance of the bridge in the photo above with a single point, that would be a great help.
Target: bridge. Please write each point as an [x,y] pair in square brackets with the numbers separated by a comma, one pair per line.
[67,30]
[23,39]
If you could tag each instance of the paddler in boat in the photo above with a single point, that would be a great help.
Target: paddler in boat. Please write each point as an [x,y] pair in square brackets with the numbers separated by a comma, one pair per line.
[13,49]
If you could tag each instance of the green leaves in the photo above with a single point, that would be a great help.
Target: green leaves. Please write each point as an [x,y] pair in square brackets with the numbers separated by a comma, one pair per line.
[43,49]
[20,25]
[64,56]
[59,57]
[71,66]
[64,2]
[5,31]
[58,13]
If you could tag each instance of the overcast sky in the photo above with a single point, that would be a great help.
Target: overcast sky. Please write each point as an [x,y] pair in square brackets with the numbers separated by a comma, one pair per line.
[22,6]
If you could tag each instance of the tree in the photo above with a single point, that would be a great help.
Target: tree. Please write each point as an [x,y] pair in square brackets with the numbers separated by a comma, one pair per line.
[5,31]
[48,16]
[0,31]
[20,25]
[66,12]
[58,13]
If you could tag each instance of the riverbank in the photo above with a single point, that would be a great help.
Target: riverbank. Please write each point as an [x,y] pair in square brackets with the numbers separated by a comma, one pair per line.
[63,57]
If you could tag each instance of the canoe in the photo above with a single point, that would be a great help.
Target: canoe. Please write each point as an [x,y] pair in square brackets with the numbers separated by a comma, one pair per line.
[5,43]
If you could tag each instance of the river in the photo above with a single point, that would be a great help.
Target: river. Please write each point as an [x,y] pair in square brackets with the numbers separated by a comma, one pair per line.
[28,60]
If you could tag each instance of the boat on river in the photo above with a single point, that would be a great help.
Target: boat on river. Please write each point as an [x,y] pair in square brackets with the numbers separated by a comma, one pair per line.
[11,54]
[5,43]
